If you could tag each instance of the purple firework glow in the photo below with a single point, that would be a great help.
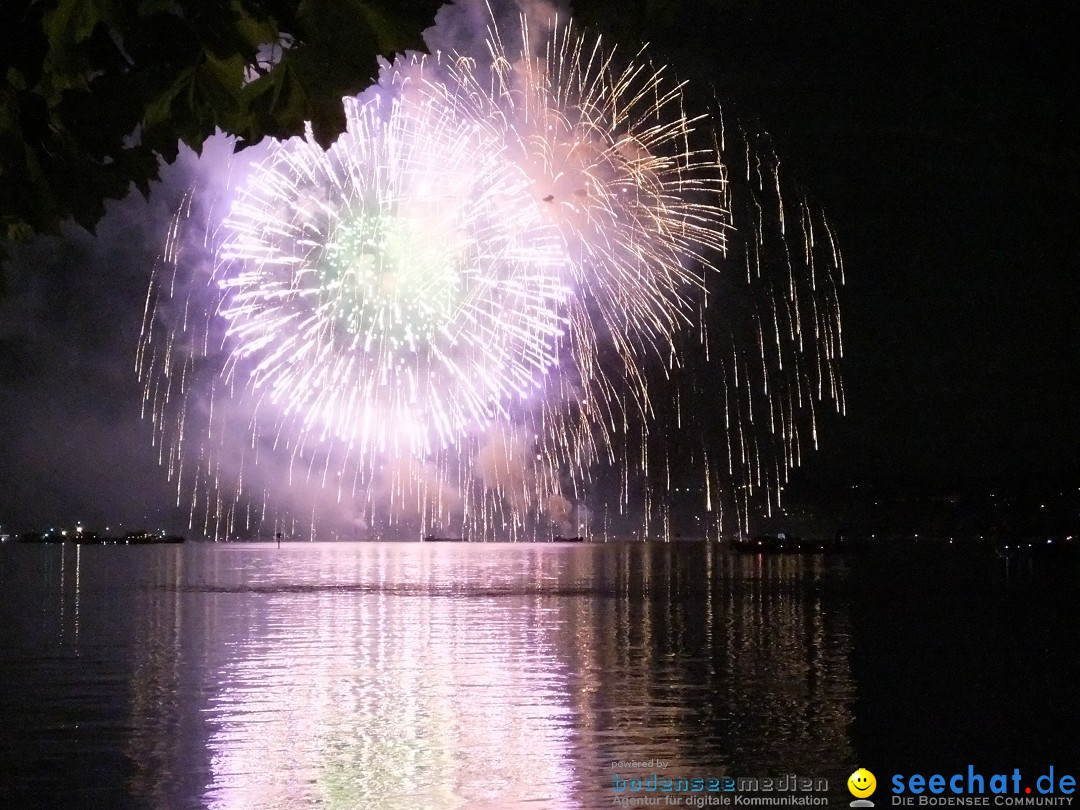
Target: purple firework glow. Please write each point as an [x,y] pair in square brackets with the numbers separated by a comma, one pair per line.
[475,300]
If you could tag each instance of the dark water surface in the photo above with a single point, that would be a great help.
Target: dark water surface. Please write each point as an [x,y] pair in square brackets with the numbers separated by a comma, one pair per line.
[498,676]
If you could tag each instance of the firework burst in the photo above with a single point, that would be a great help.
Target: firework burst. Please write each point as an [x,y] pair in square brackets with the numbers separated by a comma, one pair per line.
[477,297]
[621,174]
[390,292]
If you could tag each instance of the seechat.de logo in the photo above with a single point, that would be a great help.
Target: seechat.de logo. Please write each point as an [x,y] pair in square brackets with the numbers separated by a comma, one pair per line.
[862,784]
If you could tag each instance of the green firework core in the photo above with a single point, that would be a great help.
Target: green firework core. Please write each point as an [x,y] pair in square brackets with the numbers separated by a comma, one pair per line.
[389,279]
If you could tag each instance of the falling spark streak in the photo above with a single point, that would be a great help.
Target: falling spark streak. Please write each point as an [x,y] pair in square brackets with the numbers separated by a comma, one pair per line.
[512,271]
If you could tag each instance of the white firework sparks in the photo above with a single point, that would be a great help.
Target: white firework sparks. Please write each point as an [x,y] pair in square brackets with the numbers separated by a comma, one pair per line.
[475,298]
[619,171]
[390,292]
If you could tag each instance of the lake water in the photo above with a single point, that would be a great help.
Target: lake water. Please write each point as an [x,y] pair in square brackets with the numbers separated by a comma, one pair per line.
[382,675]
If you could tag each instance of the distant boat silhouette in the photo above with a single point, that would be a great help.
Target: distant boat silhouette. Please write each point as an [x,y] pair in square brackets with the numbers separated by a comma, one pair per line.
[785,543]
[147,538]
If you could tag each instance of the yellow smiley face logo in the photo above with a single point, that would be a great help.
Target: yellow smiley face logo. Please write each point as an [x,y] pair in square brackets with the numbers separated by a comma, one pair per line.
[861,783]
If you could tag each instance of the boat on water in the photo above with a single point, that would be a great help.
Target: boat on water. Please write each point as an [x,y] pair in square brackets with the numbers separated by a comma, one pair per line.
[436,538]
[786,543]
[147,538]
[779,543]
[1052,547]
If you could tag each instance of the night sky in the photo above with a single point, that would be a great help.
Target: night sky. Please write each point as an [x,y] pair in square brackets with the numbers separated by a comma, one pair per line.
[947,155]
[942,139]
